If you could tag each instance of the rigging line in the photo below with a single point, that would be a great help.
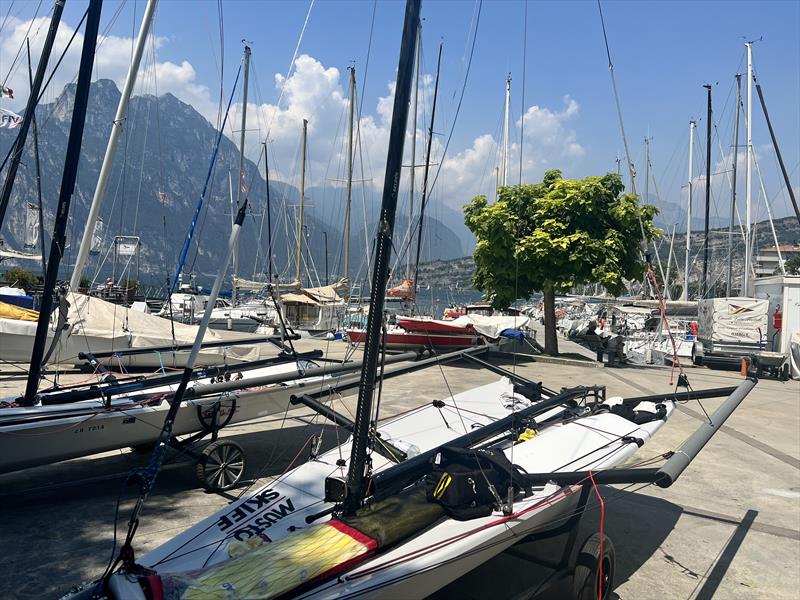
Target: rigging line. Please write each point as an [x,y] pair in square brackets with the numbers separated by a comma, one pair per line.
[291,67]
[522,108]
[8,13]
[22,44]
[461,97]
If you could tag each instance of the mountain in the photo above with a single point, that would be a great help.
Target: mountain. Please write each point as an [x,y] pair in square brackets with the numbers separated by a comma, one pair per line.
[167,147]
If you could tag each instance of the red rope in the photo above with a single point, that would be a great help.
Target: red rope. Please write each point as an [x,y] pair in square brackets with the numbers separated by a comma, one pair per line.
[602,523]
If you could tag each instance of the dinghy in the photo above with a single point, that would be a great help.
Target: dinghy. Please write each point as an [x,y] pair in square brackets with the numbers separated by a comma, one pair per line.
[407,507]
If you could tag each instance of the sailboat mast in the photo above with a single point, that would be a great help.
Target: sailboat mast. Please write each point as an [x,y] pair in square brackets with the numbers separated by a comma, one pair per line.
[111,148]
[413,155]
[349,175]
[269,214]
[358,467]
[68,178]
[242,135]
[704,282]
[748,174]
[729,282]
[299,261]
[685,293]
[30,109]
[427,170]
[37,165]
[506,141]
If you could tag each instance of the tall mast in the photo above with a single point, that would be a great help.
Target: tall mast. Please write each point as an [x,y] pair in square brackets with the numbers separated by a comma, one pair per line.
[269,214]
[413,155]
[111,148]
[30,109]
[65,196]
[242,134]
[506,142]
[358,467]
[302,205]
[349,175]
[729,282]
[685,293]
[778,155]
[37,164]
[704,282]
[748,176]
[427,170]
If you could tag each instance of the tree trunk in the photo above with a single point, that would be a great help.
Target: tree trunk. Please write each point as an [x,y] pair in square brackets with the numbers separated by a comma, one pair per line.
[550,337]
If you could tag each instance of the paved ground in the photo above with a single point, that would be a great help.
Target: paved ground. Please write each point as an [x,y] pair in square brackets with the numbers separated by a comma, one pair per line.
[730,527]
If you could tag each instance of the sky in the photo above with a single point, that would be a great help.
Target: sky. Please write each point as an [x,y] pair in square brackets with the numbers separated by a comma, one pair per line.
[663,53]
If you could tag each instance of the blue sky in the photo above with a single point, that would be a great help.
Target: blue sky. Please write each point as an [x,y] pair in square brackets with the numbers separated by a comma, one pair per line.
[663,53]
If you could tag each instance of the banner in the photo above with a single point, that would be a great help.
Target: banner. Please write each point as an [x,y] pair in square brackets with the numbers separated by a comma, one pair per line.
[8,119]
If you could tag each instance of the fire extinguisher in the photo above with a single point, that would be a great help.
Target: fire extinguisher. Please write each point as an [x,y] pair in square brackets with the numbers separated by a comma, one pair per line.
[777,319]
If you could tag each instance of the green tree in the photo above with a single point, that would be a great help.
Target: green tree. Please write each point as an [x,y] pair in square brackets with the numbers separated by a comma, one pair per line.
[22,278]
[792,265]
[555,235]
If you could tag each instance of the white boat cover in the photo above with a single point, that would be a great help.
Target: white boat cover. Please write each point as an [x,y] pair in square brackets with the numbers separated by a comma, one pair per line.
[794,354]
[733,320]
[100,326]
[493,326]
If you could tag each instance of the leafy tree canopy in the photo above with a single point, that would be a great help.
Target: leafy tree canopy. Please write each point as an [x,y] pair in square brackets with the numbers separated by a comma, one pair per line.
[557,234]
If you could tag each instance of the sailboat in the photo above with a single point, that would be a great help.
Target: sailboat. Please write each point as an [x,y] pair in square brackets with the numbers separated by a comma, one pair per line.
[411,507]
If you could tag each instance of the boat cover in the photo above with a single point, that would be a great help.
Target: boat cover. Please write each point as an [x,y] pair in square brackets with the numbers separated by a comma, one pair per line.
[260,569]
[493,326]
[11,311]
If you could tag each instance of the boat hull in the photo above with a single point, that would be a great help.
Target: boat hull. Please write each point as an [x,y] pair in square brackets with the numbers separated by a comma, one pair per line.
[433,326]
[36,436]
[397,340]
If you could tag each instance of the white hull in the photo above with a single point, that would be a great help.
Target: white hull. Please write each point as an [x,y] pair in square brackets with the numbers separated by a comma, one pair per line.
[442,552]
[45,434]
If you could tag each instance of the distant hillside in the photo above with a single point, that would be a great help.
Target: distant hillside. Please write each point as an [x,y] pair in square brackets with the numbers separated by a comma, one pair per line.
[449,273]
[167,147]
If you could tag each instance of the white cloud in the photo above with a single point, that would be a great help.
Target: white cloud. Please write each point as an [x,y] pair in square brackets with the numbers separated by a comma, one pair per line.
[315,92]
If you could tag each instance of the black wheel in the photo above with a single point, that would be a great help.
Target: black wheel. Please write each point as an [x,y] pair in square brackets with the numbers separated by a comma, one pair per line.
[586,582]
[785,372]
[221,465]
[696,360]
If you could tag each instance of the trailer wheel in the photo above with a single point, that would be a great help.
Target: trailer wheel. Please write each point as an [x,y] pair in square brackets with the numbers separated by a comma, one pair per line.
[785,372]
[697,360]
[221,465]
[586,577]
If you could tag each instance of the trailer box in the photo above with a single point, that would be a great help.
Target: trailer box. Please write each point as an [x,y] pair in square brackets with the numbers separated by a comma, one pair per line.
[730,327]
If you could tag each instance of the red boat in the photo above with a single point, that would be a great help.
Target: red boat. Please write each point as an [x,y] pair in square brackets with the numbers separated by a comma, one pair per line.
[426,325]
[399,339]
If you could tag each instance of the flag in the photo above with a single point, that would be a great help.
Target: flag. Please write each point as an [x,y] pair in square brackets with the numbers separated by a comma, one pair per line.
[8,119]
[6,92]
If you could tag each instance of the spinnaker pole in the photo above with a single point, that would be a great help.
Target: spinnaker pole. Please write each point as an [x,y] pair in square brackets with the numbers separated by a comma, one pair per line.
[30,109]
[57,244]
[111,149]
[358,469]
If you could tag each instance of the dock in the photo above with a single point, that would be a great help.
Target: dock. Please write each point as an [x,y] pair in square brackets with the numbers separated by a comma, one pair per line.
[729,528]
